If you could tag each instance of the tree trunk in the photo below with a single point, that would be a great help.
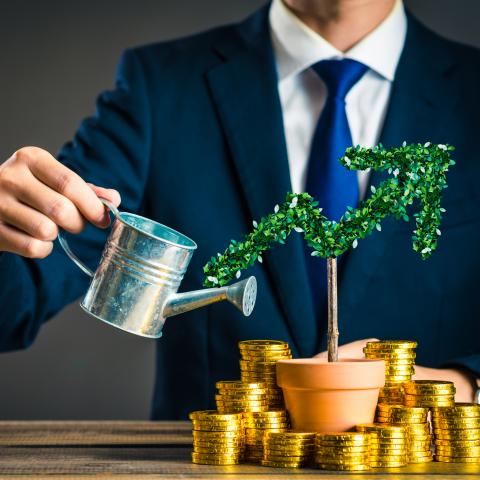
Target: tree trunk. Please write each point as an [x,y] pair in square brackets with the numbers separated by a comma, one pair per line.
[332,310]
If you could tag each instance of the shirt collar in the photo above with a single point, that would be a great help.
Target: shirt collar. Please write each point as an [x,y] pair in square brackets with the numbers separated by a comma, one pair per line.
[297,47]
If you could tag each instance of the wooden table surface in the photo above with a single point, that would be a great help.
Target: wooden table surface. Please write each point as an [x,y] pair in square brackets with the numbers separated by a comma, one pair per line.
[151,450]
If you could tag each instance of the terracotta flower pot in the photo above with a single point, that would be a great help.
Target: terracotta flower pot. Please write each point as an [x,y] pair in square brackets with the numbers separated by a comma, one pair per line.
[330,397]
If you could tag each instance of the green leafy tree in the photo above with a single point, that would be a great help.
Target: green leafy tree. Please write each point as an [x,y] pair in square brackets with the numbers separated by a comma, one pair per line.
[417,172]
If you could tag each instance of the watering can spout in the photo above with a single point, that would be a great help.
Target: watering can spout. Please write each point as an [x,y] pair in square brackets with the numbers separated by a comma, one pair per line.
[241,294]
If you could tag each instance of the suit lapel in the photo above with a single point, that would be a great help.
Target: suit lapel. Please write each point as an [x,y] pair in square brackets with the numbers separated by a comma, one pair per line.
[244,90]
[420,95]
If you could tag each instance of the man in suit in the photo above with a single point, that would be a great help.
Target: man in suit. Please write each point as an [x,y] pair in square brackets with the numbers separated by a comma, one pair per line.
[206,133]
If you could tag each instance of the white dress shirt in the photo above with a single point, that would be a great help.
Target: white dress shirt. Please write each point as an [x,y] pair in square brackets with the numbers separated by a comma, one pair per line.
[302,92]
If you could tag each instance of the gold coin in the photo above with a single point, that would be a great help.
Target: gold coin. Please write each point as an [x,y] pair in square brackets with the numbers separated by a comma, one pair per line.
[214,461]
[262,345]
[266,357]
[428,403]
[388,464]
[456,426]
[458,451]
[390,355]
[392,389]
[209,446]
[425,386]
[460,443]
[413,445]
[215,456]
[421,459]
[214,435]
[241,398]
[238,385]
[270,415]
[266,424]
[457,434]
[341,449]
[435,400]
[238,401]
[288,448]
[420,453]
[359,456]
[409,411]
[391,431]
[330,466]
[343,444]
[341,461]
[441,458]
[334,436]
[268,374]
[216,450]
[243,409]
[399,370]
[459,410]
[293,436]
[386,450]
[215,428]
[284,464]
[210,421]
[394,419]
[224,441]
[213,415]
[393,344]
[395,379]
[279,457]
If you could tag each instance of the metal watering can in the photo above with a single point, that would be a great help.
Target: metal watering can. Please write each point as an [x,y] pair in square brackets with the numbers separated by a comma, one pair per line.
[135,285]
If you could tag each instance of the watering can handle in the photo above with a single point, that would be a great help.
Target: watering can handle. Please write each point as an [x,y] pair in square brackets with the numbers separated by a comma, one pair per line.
[66,247]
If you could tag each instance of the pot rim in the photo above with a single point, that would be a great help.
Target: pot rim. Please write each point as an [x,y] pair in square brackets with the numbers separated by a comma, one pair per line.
[344,362]
[319,374]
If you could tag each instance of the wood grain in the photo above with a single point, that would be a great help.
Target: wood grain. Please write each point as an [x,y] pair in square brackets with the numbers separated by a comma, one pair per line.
[134,450]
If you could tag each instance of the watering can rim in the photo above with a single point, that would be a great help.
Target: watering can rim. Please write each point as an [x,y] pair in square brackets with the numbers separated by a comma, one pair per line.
[119,215]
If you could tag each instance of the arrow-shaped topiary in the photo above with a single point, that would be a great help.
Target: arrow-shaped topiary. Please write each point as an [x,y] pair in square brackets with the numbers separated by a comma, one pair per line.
[418,172]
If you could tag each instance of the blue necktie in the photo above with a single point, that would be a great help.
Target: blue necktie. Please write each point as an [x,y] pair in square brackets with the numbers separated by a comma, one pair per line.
[332,185]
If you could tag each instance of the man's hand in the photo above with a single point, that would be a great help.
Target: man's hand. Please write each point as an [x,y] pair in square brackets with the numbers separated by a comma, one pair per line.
[465,391]
[463,385]
[38,195]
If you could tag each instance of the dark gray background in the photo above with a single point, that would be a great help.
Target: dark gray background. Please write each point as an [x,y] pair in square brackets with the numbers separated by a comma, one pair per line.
[55,57]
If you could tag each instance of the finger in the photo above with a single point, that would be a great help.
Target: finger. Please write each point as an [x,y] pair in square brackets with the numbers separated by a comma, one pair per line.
[57,207]
[107,194]
[352,349]
[28,220]
[67,183]
[14,241]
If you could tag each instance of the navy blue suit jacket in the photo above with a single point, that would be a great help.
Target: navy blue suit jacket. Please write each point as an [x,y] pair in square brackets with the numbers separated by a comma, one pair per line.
[192,136]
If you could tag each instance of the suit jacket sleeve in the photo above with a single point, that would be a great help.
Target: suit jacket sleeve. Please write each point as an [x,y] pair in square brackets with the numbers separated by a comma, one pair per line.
[111,149]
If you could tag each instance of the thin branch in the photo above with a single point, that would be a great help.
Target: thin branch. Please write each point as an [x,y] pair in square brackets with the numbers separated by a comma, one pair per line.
[332,310]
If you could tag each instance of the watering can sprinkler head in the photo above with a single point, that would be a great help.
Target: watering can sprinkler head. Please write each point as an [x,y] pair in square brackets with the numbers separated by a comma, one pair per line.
[241,294]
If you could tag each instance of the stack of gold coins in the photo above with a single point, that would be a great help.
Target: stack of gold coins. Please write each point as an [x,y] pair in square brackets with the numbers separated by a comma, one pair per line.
[457,433]
[429,393]
[342,451]
[257,424]
[288,449]
[258,364]
[399,357]
[392,394]
[415,420]
[218,439]
[388,444]
[235,396]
